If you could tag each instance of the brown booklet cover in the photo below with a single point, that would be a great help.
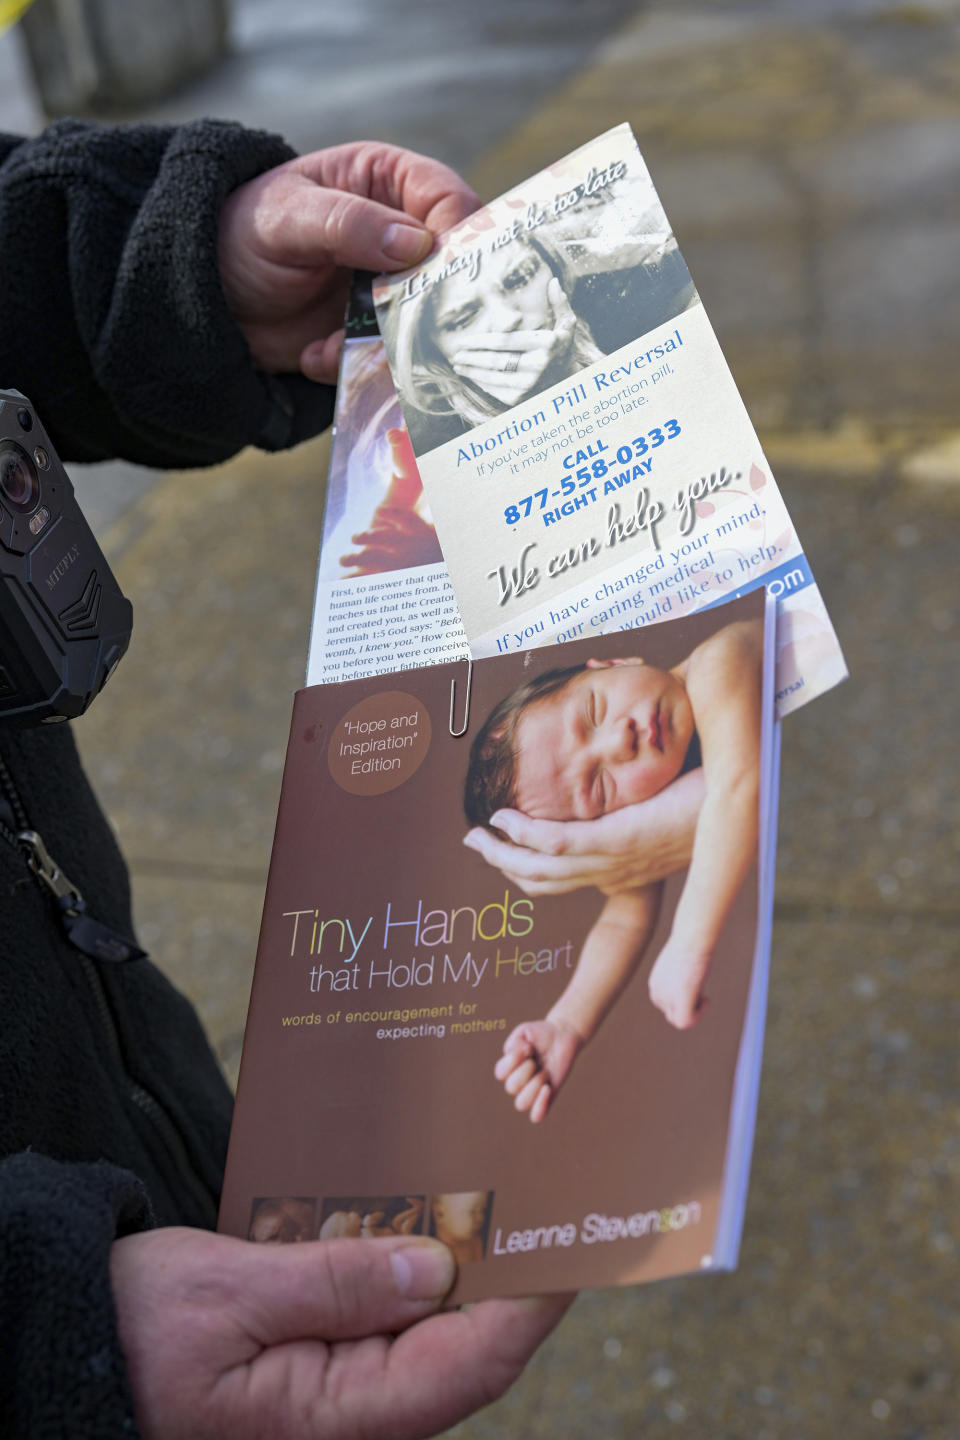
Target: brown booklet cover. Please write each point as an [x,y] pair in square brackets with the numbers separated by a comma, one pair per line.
[542,1081]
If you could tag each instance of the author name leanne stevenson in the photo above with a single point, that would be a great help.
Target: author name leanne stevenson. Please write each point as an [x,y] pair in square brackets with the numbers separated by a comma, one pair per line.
[597,1229]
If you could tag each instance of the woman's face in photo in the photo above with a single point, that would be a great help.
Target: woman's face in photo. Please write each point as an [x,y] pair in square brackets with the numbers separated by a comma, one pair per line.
[510,293]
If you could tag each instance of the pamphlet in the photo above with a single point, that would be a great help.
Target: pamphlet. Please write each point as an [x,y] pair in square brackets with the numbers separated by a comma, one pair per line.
[383,597]
[562,1088]
[587,459]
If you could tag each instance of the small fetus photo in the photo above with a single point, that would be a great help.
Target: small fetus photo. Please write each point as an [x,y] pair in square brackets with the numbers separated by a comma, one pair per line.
[461,1220]
[282,1219]
[364,1217]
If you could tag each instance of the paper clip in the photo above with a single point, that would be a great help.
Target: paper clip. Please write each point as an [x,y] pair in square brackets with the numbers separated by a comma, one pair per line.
[466,708]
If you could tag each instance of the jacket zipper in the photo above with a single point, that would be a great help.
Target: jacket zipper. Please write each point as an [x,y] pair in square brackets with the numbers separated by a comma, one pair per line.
[69,901]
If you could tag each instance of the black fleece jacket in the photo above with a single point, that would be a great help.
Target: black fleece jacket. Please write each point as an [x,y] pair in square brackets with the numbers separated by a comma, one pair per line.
[113,1112]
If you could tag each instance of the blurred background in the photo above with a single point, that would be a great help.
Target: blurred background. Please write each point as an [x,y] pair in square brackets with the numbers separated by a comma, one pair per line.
[808,154]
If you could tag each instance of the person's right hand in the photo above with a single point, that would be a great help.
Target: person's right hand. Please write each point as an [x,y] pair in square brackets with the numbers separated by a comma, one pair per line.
[625,850]
[328,1340]
[290,238]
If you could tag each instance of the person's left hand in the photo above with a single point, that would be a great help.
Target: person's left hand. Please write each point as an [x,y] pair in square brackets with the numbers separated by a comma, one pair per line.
[290,237]
[508,364]
[397,540]
[330,1340]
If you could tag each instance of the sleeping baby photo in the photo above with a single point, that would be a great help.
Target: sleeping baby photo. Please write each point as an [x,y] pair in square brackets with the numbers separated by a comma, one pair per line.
[581,743]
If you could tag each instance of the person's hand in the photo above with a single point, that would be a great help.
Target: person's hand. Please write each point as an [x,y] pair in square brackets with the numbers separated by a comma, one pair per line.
[289,239]
[625,850]
[508,364]
[676,982]
[405,487]
[397,540]
[331,1340]
[536,1060]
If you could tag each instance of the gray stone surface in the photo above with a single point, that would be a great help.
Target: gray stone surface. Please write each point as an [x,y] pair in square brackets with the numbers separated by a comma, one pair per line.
[100,55]
[804,150]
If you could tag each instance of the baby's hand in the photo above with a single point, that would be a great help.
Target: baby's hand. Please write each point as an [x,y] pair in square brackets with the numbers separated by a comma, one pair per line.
[535,1062]
[676,983]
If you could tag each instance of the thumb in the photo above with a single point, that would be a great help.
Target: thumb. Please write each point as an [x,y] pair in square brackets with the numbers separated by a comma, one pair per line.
[320,225]
[234,1294]
[339,1289]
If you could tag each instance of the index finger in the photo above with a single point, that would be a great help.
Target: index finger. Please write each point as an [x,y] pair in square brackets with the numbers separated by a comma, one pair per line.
[497,341]
[424,188]
[548,837]
[524,864]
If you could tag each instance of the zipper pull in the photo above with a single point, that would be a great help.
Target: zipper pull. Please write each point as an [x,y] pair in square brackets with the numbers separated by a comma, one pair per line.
[82,930]
[47,870]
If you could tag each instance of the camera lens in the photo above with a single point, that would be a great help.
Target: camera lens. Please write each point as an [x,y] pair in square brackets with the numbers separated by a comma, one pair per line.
[19,484]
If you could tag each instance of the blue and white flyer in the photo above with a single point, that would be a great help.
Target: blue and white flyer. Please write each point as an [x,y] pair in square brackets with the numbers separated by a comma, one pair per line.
[587,459]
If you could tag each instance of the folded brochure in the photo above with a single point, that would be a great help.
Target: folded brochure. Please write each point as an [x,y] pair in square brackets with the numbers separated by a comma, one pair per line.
[585,454]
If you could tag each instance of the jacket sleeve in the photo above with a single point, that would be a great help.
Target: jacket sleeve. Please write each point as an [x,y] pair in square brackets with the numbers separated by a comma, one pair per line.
[115,325]
[114,322]
[57,1318]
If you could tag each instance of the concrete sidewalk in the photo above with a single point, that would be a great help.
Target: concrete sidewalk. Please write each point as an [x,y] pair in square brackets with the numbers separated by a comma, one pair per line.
[809,157]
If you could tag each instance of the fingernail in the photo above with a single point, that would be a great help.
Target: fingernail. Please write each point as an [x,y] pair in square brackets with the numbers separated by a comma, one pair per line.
[424,1270]
[406,243]
[470,840]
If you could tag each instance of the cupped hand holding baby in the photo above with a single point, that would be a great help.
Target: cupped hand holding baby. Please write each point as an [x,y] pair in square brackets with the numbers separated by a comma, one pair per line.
[623,850]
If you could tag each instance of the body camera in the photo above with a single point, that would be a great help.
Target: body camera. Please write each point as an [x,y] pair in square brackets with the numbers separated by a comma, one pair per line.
[64,622]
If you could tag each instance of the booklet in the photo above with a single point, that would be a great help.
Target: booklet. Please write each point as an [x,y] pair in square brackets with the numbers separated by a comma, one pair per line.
[585,453]
[562,1088]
